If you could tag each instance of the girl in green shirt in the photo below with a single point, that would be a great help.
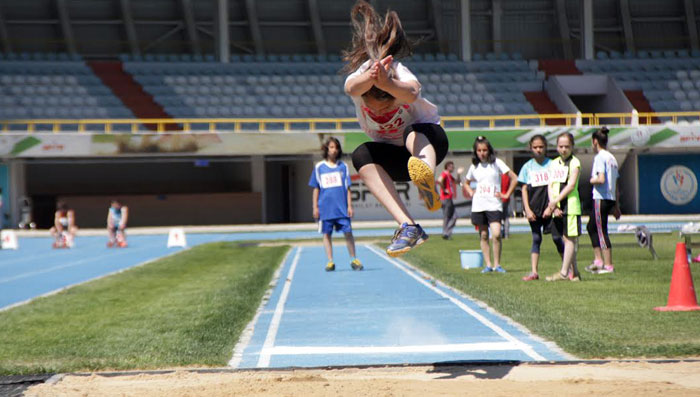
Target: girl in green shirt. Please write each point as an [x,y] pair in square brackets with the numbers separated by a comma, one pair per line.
[565,205]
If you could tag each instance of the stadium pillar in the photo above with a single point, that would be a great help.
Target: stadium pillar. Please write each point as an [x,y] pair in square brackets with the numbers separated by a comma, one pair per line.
[222,34]
[66,26]
[257,183]
[465,20]
[692,26]
[496,12]
[129,27]
[587,42]
[191,26]
[17,189]
[4,37]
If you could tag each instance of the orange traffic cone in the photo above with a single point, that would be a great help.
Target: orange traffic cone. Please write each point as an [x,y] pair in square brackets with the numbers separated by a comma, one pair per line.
[681,296]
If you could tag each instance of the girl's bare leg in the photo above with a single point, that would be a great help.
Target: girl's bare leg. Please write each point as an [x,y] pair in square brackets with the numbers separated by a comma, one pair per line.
[569,254]
[350,242]
[328,245]
[382,187]
[419,146]
[484,242]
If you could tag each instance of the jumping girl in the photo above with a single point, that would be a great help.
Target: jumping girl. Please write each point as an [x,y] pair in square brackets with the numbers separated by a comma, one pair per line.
[407,140]
[535,179]
[487,207]
[565,205]
[604,180]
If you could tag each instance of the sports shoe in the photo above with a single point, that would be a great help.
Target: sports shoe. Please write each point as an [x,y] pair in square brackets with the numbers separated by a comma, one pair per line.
[499,269]
[356,264]
[330,266]
[595,267]
[424,179]
[531,277]
[405,238]
[486,269]
[557,277]
[606,269]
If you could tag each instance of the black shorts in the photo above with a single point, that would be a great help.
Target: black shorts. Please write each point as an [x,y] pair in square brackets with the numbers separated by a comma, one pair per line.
[394,159]
[486,217]
[567,225]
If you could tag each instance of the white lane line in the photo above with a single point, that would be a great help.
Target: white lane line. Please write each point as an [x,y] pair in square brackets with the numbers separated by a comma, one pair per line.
[264,359]
[527,349]
[446,348]
[249,331]
[69,264]
[29,258]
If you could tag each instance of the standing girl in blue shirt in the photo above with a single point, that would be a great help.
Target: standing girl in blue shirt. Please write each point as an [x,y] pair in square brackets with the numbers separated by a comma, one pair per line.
[332,203]
[604,180]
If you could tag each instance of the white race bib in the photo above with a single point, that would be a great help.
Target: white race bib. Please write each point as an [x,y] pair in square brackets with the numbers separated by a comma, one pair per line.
[331,179]
[539,178]
[486,190]
[558,173]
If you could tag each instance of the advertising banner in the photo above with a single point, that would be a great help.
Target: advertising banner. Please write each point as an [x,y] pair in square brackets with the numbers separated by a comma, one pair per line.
[668,184]
[367,207]
[225,143]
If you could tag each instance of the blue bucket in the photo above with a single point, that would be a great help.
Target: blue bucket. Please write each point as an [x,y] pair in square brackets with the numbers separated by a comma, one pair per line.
[471,259]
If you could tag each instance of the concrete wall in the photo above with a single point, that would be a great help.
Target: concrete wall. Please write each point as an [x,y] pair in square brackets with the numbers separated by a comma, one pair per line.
[170,209]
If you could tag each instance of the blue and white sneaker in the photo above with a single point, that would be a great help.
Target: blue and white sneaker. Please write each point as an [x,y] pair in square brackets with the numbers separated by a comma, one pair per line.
[499,269]
[486,269]
[405,238]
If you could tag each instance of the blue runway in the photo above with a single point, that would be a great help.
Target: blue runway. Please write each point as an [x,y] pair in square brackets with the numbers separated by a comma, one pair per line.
[36,269]
[385,314]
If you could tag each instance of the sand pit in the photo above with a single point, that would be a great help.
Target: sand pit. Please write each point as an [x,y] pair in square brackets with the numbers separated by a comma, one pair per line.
[628,378]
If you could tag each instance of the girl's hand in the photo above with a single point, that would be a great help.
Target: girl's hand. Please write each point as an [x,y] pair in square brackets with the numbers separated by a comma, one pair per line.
[530,215]
[386,62]
[350,211]
[558,213]
[382,72]
[616,212]
[547,212]
[373,71]
[315,213]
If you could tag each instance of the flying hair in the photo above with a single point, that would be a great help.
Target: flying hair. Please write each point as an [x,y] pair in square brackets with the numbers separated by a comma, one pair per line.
[374,40]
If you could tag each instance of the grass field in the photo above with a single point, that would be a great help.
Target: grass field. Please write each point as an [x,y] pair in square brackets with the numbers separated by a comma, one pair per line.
[607,315]
[189,309]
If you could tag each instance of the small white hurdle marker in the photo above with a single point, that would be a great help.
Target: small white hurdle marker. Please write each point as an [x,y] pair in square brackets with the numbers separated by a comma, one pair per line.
[176,237]
[8,240]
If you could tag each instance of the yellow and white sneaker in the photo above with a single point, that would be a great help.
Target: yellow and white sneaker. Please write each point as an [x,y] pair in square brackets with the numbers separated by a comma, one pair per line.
[356,264]
[330,266]
[424,179]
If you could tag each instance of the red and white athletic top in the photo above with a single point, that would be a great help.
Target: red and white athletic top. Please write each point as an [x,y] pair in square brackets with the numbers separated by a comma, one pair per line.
[389,127]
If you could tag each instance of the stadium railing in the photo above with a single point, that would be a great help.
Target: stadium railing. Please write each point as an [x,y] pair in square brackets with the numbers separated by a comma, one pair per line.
[332,124]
